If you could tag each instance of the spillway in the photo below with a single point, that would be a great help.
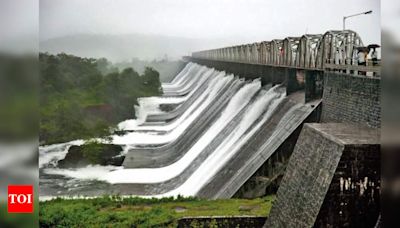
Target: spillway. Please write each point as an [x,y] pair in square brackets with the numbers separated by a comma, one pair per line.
[198,90]
[176,128]
[179,77]
[148,110]
[218,131]
[192,78]
[258,149]
[154,175]
[213,153]
[166,154]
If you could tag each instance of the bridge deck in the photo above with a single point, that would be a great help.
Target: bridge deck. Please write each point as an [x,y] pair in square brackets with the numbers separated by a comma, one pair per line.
[327,67]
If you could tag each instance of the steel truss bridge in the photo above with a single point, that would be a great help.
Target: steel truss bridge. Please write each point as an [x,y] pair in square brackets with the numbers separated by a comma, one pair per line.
[334,50]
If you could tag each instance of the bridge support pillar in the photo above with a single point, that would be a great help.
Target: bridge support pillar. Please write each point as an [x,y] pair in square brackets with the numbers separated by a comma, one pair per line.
[278,75]
[314,81]
[294,79]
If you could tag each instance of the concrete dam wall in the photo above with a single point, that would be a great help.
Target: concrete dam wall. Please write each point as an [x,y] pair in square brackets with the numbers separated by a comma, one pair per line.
[352,99]
[332,179]
[258,165]
[222,136]
[348,193]
[288,117]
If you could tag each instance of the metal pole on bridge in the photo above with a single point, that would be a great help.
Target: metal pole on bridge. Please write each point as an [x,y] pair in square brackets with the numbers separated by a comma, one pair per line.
[358,14]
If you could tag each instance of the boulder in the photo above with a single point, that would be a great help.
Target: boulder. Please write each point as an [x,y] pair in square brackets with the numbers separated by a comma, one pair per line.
[104,154]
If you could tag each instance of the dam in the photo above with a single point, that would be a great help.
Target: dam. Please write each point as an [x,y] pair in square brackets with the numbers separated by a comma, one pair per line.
[287,117]
[323,172]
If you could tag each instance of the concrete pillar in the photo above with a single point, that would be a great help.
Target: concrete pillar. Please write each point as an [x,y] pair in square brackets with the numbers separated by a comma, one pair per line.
[313,85]
[293,82]
[266,74]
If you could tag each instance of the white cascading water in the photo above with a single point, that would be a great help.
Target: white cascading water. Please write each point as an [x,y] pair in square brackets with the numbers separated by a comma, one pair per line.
[150,105]
[190,82]
[155,175]
[176,128]
[258,109]
[206,75]
[182,76]
[50,154]
[264,105]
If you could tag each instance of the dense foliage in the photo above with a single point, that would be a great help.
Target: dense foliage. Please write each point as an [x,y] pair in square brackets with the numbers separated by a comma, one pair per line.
[84,97]
[140,212]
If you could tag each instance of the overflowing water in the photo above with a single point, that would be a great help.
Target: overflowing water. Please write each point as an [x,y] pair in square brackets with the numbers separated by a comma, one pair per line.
[193,91]
[182,77]
[262,107]
[155,175]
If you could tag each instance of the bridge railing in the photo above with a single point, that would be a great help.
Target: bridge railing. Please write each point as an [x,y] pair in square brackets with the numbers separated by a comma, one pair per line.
[334,50]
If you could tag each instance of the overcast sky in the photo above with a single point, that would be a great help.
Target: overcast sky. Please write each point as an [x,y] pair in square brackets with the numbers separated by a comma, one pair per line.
[234,20]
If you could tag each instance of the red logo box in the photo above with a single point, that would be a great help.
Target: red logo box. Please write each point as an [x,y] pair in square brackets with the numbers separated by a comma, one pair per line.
[20,199]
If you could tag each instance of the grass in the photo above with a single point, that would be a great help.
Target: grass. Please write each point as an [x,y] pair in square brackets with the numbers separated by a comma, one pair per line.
[138,212]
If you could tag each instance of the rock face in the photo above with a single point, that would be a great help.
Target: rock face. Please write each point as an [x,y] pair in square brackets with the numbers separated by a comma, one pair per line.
[107,154]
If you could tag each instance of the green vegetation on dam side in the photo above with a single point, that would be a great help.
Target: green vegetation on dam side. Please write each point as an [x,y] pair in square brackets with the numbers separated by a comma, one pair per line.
[82,98]
[140,212]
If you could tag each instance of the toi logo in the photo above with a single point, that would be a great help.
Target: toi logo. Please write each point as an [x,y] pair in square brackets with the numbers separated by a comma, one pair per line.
[20,199]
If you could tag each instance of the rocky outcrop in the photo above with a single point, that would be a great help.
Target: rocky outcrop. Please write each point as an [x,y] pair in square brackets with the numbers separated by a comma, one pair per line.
[104,154]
